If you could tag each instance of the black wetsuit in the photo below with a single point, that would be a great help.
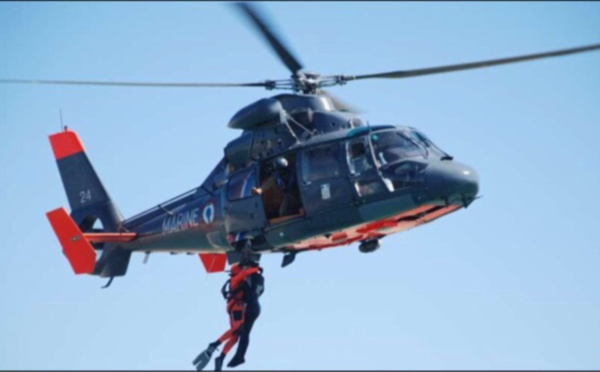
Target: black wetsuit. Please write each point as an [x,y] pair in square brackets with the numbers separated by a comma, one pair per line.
[252,313]
[255,287]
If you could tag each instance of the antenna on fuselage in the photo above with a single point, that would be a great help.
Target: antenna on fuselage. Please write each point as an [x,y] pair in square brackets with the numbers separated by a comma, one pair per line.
[62,125]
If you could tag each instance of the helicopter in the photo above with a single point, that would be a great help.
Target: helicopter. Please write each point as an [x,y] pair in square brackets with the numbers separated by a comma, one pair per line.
[351,182]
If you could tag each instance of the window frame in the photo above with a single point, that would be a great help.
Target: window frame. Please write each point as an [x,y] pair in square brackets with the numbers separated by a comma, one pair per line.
[364,139]
[251,171]
[422,152]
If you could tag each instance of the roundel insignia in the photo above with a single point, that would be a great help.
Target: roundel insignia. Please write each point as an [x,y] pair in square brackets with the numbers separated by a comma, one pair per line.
[208,213]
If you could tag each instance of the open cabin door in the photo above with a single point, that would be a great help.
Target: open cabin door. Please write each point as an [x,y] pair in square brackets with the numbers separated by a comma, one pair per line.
[243,209]
[279,189]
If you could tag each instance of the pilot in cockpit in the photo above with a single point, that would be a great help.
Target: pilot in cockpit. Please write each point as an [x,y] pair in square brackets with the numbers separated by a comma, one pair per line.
[359,162]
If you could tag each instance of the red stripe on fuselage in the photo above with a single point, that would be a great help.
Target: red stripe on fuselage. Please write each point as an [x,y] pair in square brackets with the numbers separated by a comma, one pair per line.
[65,144]
[109,237]
[376,229]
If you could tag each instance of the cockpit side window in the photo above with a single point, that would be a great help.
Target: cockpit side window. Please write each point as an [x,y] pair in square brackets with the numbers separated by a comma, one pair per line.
[358,156]
[391,146]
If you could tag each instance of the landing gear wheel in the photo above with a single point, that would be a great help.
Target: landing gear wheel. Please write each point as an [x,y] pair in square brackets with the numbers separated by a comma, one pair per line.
[368,246]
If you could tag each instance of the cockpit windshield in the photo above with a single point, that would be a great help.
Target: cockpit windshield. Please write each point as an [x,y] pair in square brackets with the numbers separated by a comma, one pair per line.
[391,146]
[423,140]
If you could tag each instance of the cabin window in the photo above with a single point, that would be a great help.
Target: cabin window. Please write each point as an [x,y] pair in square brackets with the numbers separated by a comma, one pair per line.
[241,184]
[320,163]
[216,178]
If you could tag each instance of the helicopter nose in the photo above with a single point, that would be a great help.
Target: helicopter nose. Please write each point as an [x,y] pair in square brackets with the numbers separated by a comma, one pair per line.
[452,181]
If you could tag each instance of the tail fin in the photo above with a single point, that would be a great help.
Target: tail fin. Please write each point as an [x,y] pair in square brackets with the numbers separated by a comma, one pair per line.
[89,202]
[87,196]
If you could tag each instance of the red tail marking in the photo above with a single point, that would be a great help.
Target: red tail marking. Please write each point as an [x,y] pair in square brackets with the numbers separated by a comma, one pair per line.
[213,262]
[109,237]
[65,144]
[79,251]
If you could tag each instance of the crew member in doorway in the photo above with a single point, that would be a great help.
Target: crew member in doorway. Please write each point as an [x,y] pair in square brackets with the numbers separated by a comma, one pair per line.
[283,178]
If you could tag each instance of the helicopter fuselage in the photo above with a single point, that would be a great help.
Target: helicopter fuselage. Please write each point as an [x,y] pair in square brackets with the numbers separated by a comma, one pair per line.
[351,185]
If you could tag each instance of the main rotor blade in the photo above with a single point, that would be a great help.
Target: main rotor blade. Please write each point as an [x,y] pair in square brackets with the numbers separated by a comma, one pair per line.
[259,21]
[265,84]
[472,65]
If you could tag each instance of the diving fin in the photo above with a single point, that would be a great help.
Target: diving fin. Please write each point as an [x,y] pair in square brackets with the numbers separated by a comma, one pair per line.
[219,362]
[204,357]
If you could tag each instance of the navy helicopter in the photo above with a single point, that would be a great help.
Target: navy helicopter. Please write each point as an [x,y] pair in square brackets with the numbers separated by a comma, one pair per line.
[306,173]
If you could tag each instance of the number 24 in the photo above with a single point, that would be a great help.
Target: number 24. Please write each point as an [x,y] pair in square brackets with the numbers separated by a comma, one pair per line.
[85,196]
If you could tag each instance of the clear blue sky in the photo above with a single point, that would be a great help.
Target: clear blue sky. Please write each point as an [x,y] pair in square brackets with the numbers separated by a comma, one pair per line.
[512,282]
